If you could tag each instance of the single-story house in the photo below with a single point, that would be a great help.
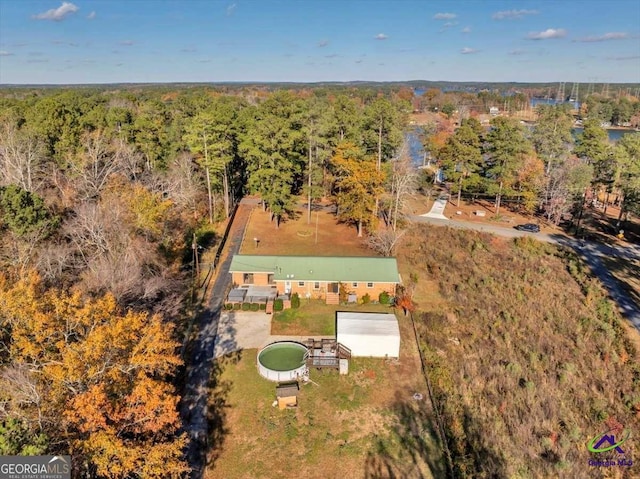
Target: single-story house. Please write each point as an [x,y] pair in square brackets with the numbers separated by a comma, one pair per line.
[318,277]
[369,334]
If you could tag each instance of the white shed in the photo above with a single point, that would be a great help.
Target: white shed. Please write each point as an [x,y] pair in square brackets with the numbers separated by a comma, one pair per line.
[369,334]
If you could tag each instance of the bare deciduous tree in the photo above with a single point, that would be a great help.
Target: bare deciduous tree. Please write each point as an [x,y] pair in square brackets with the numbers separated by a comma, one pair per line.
[21,159]
[184,183]
[21,395]
[403,182]
[95,166]
[113,257]
[385,242]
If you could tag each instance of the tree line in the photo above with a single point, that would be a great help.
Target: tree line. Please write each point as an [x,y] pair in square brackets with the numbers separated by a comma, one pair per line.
[545,168]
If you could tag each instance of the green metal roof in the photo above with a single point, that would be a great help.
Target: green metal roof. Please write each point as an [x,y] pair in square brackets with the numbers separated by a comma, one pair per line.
[320,268]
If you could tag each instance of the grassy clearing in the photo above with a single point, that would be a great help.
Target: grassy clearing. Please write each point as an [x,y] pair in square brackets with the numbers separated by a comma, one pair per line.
[362,425]
[315,318]
[296,237]
[525,344]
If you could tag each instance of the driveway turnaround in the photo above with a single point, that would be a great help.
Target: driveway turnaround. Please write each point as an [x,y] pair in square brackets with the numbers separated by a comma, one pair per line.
[242,330]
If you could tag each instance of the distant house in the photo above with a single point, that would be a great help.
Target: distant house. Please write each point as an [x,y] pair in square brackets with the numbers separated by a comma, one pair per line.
[494,111]
[318,277]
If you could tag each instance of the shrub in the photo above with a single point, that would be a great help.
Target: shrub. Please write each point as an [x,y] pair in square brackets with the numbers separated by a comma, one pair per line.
[255,307]
[245,306]
[277,305]
[343,294]
[228,306]
[295,300]
[236,306]
[366,299]
[384,298]
[263,306]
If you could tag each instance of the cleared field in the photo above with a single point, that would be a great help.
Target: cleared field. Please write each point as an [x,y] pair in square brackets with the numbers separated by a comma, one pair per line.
[322,237]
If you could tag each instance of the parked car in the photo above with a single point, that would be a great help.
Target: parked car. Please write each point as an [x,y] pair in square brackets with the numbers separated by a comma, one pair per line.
[529,227]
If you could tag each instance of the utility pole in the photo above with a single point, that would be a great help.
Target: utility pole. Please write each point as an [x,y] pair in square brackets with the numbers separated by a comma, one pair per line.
[194,247]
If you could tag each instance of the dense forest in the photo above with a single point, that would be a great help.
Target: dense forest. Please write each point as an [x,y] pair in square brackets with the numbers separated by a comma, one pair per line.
[103,189]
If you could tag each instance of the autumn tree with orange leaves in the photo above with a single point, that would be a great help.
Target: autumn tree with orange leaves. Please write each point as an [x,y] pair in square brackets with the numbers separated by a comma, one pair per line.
[93,379]
[358,184]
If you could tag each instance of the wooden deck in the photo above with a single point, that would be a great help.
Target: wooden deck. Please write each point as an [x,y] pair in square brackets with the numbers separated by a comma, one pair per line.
[326,353]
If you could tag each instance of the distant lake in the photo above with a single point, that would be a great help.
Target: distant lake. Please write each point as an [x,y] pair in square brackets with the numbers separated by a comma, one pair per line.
[614,133]
[550,101]
[416,151]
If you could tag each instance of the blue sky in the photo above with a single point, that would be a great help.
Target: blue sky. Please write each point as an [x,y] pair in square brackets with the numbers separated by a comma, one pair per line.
[100,41]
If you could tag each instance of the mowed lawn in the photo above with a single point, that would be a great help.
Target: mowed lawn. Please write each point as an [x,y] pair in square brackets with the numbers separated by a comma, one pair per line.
[315,318]
[297,237]
[363,425]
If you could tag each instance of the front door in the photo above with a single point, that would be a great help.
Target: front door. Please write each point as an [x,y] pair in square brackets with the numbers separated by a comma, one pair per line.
[287,287]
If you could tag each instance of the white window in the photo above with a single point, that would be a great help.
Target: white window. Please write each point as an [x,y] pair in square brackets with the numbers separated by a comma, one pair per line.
[316,285]
[369,285]
[300,283]
[355,285]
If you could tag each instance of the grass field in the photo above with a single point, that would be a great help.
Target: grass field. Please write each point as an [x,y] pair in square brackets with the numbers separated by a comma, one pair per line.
[315,318]
[362,425]
[297,237]
[525,344]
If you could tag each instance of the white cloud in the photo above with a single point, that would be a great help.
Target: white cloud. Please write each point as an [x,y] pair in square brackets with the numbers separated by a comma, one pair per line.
[91,16]
[231,8]
[606,36]
[513,14]
[547,34]
[381,36]
[444,16]
[449,24]
[4,53]
[466,30]
[323,43]
[57,14]
[468,51]
[126,43]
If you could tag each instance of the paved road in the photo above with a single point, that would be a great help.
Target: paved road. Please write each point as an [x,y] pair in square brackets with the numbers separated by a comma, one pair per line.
[194,406]
[591,252]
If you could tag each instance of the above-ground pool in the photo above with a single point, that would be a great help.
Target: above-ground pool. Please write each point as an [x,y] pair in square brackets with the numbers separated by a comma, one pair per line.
[284,361]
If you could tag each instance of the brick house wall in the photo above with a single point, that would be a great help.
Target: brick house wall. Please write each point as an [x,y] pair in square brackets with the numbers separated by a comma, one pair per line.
[360,289]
